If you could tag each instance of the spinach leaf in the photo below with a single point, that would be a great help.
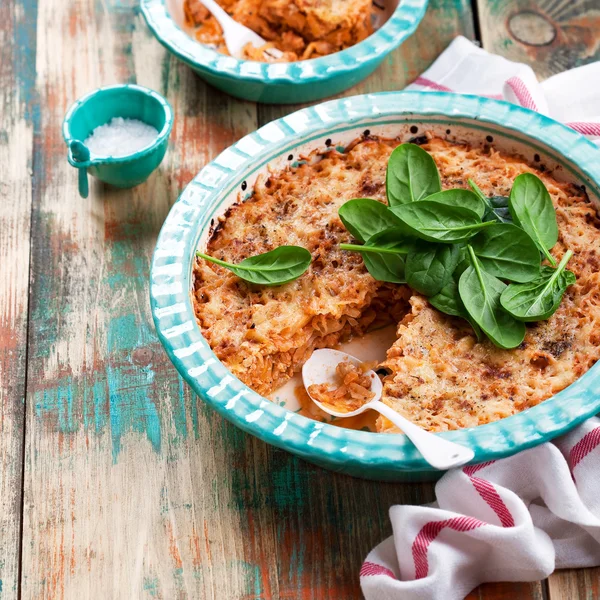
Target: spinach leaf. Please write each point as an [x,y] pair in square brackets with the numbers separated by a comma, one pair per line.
[498,210]
[388,241]
[477,190]
[384,255]
[279,266]
[531,208]
[496,206]
[389,263]
[411,175]
[429,267]
[437,222]
[364,217]
[538,300]
[385,267]
[459,197]
[507,252]
[448,301]
[480,293]
[463,262]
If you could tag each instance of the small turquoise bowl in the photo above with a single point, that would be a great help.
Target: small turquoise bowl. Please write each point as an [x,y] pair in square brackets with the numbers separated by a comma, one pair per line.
[232,176]
[99,107]
[282,83]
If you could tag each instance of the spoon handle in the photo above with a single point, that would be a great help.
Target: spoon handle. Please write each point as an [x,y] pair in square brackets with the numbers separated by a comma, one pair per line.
[438,452]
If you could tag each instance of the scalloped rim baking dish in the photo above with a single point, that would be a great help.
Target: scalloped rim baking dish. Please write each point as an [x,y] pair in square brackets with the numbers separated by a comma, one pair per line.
[219,184]
[302,81]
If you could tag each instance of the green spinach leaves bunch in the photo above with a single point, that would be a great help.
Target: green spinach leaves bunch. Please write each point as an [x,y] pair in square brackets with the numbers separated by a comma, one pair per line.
[474,257]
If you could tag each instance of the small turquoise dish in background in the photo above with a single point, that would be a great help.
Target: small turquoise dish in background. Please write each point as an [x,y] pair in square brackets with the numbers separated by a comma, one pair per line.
[99,107]
[282,83]
[233,174]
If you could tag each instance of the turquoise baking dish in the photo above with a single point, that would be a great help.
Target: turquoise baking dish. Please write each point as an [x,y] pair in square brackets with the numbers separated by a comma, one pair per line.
[281,83]
[232,174]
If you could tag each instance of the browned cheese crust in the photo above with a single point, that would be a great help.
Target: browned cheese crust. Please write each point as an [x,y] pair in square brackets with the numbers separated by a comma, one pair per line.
[439,375]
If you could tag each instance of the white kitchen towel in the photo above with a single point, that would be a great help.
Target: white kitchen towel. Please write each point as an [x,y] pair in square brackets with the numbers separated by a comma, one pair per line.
[519,518]
[515,519]
[572,97]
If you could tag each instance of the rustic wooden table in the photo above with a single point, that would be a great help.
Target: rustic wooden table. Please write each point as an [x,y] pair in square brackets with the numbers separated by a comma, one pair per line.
[115,480]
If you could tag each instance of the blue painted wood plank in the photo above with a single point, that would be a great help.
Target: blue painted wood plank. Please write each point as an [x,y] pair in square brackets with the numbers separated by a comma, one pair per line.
[18,119]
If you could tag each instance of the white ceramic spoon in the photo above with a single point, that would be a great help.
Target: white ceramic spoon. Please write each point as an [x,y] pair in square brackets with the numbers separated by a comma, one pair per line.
[237,35]
[438,452]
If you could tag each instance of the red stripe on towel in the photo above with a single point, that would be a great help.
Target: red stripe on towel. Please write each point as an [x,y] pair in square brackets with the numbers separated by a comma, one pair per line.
[585,128]
[369,569]
[431,84]
[428,83]
[583,447]
[491,497]
[489,494]
[432,529]
[429,532]
[472,469]
[521,92]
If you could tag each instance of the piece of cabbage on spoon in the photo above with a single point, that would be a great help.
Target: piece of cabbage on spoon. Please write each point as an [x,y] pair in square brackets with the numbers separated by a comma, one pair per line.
[321,370]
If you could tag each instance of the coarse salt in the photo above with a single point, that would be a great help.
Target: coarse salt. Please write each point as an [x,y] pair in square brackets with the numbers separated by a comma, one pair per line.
[120,137]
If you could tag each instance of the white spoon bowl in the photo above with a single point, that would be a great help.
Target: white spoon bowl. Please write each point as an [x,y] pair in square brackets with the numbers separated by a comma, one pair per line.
[439,453]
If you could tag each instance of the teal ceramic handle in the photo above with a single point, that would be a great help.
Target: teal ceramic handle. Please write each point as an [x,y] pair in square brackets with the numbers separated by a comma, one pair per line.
[83,182]
[81,153]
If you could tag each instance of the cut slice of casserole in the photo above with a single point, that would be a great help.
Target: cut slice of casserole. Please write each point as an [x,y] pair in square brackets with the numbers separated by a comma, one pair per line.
[265,334]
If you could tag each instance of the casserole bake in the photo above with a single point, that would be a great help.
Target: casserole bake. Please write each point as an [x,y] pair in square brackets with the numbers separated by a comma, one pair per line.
[515,131]
[439,375]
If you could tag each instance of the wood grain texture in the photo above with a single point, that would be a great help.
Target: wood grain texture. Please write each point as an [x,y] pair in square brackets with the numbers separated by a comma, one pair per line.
[17,120]
[120,494]
[509,591]
[571,584]
[133,488]
[550,35]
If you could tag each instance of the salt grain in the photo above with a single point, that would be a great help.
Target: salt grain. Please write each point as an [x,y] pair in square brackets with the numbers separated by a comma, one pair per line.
[120,137]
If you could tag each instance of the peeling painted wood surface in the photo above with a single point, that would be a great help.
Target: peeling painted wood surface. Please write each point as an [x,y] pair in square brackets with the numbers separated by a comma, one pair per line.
[17,120]
[132,487]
